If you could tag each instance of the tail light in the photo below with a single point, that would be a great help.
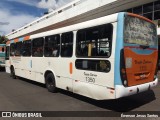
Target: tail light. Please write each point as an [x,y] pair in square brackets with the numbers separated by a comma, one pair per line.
[124,76]
[123,68]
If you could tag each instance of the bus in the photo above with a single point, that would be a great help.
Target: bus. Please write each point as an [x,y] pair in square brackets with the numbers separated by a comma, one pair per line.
[2,55]
[105,58]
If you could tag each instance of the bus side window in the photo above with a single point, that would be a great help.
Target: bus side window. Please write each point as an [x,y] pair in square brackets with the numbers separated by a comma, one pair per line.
[95,41]
[67,44]
[26,48]
[12,49]
[37,47]
[93,65]
[52,46]
[18,49]
[7,53]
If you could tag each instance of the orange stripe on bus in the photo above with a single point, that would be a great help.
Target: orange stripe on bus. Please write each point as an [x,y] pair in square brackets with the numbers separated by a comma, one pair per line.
[27,38]
[16,40]
[141,17]
[71,68]
[0,49]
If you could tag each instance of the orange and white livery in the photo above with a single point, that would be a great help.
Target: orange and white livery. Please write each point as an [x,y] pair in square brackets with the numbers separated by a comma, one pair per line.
[105,58]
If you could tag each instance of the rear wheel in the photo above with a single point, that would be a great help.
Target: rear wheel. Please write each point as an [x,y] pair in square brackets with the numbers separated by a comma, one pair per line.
[50,83]
[13,73]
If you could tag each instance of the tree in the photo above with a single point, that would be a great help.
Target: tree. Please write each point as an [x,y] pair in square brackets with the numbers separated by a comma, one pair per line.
[3,39]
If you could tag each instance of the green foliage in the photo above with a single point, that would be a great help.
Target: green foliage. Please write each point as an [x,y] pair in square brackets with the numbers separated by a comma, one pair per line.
[3,39]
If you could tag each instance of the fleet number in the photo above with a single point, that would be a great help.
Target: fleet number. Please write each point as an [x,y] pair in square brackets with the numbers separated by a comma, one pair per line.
[90,79]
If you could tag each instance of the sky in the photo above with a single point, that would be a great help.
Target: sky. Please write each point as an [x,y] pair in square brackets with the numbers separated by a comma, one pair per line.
[17,13]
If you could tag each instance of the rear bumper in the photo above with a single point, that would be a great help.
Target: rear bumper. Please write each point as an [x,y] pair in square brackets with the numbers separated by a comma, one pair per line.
[122,91]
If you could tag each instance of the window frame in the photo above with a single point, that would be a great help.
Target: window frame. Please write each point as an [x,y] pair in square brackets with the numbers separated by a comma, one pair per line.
[11,49]
[70,43]
[7,51]
[18,49]
[55,46]
[40,49]
[27,49]
[108,41]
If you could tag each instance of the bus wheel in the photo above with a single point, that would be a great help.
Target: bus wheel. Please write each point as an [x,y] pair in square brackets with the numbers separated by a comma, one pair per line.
[50,83]
[13,73]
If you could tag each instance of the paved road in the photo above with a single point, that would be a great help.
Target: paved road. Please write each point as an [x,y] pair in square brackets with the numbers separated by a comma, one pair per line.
[24,95]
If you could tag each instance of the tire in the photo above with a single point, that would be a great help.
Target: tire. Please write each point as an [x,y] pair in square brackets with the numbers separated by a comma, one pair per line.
[50,83]
[13,73]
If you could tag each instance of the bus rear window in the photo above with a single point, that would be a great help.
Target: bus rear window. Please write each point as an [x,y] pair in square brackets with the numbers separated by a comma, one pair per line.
[95,41]
[139,31]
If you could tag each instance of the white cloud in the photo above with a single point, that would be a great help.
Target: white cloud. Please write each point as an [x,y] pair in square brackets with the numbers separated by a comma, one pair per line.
[21,19]
[50,4]
[14,21]
[27,2]
[45,4]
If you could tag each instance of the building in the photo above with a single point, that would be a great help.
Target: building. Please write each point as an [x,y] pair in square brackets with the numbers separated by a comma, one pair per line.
[82,10]
[150,10]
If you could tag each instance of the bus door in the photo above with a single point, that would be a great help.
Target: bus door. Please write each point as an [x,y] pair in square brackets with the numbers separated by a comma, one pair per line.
[65,63]
[7,59]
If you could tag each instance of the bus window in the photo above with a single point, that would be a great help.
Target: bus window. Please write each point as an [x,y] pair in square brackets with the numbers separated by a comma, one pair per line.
[37,47]
[7,53]
[26,49]
[12,49]
[18,49]
[95,41]
[140,32]
[93,65]
[52,46]
[67,44]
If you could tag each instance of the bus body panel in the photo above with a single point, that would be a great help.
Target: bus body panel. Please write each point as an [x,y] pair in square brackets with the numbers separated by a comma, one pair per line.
[118,48]
[7,61]
[134,55]
[93,91]
[63,75]
[93,84]
[140,68]
[7,66]
[122,91]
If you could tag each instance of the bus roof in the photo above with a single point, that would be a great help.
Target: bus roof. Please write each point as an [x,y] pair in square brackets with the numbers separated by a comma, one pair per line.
[141,17]
[83,25]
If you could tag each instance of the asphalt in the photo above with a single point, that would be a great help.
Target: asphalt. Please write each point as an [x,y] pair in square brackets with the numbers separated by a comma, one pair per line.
[24,95]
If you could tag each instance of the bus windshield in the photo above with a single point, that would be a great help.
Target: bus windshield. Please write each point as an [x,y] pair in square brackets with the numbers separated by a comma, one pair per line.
[139,31]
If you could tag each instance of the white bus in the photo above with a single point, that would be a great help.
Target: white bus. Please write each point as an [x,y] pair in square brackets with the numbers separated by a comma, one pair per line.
[105,58]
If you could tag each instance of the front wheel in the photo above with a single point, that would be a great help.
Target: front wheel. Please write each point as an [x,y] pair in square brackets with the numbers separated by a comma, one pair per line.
[50,83]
